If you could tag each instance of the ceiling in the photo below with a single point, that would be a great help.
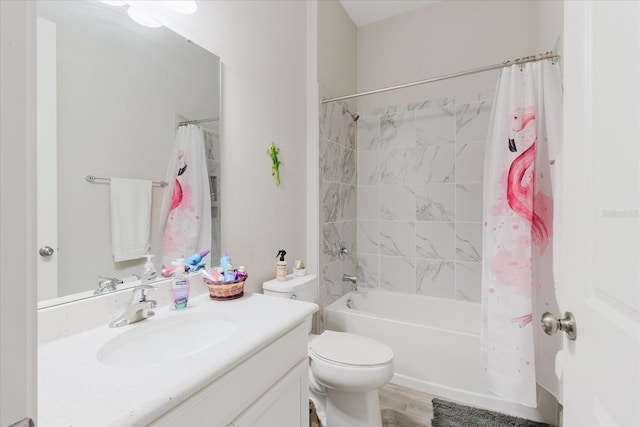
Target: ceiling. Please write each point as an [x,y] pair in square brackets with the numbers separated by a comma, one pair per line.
[363,12]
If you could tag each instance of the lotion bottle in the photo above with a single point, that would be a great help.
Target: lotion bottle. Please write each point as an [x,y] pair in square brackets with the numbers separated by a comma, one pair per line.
[149,274]
[179,287]
[281,268]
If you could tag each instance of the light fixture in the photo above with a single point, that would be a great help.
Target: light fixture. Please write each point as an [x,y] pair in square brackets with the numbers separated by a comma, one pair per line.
[142,18]
[182,6]
[113,2]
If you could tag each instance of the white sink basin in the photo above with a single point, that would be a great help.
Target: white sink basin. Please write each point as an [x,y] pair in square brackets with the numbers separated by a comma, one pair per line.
[151,341]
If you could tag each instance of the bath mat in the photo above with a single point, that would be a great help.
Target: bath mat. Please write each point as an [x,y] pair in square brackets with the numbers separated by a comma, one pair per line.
[449,414]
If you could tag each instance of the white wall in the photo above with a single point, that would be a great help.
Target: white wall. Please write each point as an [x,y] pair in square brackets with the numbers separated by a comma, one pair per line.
[262,49]
[337,50]
[448,37]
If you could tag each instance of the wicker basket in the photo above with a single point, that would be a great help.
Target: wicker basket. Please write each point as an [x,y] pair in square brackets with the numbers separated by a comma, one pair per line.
[222,291]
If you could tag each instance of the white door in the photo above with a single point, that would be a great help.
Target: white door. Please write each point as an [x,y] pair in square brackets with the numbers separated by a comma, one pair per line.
[18,358]
[46,160]
[597,265]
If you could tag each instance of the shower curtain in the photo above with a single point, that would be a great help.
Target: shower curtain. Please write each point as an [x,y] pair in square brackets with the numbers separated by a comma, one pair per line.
[185,218]
[517,277]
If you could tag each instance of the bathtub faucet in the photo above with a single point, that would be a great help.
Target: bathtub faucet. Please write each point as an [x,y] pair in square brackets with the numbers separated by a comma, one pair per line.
[348,278]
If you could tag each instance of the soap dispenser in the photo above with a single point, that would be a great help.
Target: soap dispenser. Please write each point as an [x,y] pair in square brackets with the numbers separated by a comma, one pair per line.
[179,287]
[281,268]
[149,274]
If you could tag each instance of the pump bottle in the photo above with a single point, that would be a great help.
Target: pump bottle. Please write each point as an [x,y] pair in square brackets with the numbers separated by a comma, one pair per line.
[149,274]
[281,268]
[179,287]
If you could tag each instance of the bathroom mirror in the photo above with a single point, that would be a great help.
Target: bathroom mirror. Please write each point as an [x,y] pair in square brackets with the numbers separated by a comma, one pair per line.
[110,96]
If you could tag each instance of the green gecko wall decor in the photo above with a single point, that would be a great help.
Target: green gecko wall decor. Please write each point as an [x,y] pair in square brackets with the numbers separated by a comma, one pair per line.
[275,163]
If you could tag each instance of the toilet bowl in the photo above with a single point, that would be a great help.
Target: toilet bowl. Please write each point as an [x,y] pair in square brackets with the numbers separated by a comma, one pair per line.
[352,368]
[345,370]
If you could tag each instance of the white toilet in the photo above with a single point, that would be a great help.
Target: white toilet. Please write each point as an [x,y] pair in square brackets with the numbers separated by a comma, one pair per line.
[346,370]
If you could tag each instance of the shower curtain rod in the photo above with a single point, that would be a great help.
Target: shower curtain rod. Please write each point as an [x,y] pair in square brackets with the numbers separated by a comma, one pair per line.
[197,122]
[524,60]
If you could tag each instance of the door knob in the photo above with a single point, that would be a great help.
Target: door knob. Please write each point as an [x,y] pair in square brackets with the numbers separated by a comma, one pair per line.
[567,324]
[46,251]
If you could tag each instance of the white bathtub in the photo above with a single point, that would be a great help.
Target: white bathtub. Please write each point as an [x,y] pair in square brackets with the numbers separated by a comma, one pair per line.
[436,345]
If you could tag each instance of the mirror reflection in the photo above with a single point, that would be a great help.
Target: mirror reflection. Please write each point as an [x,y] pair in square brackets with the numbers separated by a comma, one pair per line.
[111,97]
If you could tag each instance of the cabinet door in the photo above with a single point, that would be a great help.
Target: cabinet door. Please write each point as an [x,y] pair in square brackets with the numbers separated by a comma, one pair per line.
[286,404]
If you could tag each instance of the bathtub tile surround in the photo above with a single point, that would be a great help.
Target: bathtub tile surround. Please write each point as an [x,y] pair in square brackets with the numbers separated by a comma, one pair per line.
[419,194]
[338,197]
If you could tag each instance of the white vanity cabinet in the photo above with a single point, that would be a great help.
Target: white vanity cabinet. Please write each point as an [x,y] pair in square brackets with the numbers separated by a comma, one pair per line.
[255,376]
[278,406]
[268,389]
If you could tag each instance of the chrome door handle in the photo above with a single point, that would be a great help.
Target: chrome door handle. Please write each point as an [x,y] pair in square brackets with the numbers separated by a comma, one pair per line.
[46,251]
[567,324]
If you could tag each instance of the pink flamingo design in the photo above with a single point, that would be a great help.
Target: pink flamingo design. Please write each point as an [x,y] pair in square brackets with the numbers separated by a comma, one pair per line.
[176,198]
[523,321]
[521,177]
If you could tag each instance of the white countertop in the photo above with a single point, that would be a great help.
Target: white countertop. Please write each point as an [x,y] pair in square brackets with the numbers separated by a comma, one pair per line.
[76,389]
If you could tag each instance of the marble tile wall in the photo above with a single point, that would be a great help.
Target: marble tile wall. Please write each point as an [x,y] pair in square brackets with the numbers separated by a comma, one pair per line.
[338,211]
[419,196]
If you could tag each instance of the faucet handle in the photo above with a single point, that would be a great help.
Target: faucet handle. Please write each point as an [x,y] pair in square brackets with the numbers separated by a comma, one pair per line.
[141,292]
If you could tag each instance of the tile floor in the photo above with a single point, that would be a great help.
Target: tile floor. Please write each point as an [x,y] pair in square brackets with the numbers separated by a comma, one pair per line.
[413,404]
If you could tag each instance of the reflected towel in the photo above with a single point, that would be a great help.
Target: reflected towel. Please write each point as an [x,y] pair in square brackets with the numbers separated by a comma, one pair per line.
[130,218]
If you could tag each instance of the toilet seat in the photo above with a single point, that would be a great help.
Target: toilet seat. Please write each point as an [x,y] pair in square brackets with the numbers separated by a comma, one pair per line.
[343,348]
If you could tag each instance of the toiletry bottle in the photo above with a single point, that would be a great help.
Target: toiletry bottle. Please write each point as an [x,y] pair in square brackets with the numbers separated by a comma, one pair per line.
[281,269]
[196,258]
[229,273]
[224,259]
[241,275]
[179,287]
[149,274]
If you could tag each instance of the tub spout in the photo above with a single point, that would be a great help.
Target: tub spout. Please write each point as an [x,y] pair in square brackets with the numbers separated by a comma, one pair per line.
[352,279]
[348,278]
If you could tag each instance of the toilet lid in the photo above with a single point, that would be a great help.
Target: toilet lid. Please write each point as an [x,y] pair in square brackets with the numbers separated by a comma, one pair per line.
[350,349]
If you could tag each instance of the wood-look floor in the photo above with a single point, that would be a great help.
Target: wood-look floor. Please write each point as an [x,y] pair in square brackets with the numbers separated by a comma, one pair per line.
[414,407]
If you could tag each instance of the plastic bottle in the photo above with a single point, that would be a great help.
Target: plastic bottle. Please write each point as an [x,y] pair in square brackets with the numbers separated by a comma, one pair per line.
[241,275]
[179,287]
[196,258]
[281,267]
[149,274]
[229,273]
[224,260]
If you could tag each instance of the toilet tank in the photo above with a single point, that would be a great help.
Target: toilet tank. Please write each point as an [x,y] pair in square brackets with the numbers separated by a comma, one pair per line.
[302,288]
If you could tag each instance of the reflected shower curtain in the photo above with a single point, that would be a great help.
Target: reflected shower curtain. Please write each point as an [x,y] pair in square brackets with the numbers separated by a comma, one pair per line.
[185,217]
[517,277]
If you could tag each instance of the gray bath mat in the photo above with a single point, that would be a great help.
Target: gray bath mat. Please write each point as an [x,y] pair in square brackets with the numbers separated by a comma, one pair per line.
[449,414]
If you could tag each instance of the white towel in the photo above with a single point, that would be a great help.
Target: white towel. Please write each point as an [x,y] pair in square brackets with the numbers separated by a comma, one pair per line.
[130,218]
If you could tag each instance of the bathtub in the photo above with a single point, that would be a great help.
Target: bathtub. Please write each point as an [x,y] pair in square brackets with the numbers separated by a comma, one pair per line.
[436,345]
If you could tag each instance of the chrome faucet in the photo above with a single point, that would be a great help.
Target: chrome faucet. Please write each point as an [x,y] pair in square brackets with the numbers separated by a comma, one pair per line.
[349,278]
[106,284]
[139,307]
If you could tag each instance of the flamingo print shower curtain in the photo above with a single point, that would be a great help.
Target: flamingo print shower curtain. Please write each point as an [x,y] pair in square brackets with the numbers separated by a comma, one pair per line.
[517,276]
[185,217]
